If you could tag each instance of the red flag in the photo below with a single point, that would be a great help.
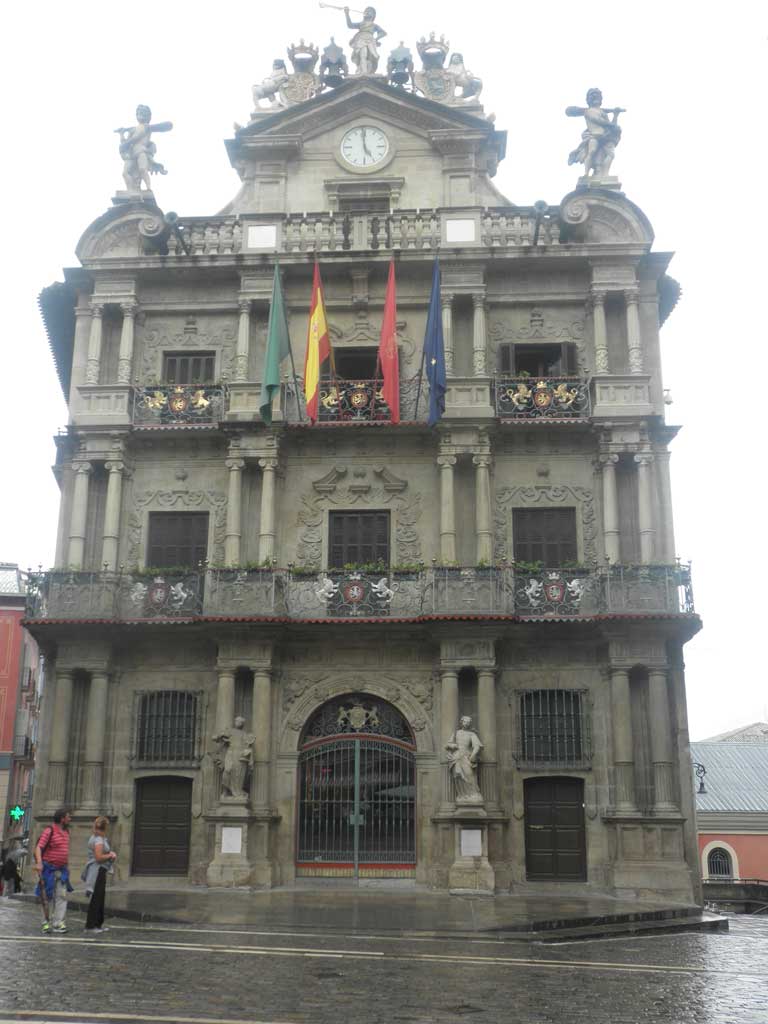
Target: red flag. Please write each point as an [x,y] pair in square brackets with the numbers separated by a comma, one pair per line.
[388,360]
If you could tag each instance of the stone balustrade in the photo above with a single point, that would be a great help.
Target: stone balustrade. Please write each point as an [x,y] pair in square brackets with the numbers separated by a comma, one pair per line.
[417,594]
[493,228]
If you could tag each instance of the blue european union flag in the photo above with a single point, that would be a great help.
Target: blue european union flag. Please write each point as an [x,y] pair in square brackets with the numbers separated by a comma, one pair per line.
[434,352]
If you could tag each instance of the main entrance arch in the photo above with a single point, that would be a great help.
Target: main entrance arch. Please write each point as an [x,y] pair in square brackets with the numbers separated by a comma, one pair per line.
[357,791]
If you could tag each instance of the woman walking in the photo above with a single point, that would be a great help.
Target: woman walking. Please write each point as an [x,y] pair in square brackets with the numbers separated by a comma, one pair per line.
[100,860]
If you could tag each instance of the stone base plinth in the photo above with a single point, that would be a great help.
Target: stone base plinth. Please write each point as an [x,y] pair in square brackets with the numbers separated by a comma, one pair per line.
[608,182]
[230,865]
[471,871]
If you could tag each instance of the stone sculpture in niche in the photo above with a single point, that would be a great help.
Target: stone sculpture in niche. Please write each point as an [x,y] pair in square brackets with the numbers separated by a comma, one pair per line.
[138,150]
[598,143]
[235,758]
[464,748]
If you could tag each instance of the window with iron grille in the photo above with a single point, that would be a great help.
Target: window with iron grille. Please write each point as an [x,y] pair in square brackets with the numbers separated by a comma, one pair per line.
[545,535]
[719,863]
[553,729]
[182,368]
[168,726]
[358,538]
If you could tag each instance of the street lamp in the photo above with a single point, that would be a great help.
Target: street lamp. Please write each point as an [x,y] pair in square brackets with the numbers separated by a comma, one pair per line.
[701,771]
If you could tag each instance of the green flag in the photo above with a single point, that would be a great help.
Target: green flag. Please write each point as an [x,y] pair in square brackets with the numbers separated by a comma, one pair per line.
[278,349]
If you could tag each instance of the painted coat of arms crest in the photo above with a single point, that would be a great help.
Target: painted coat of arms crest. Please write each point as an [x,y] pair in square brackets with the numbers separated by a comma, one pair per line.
[303,84]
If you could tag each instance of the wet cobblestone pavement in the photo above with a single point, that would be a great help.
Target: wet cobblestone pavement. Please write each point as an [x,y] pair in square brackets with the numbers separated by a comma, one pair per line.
[136,973]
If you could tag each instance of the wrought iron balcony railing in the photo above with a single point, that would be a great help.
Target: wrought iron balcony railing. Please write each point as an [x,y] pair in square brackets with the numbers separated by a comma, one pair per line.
[283,594]
[535,398]
[170,405]
[359,401]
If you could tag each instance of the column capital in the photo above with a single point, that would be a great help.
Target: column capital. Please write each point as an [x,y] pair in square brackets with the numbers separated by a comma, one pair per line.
[114,466]
[598,296]
[268,464]
[244,306]
[446,461]
[97,309]
[129,308]
[446,298]
[478,298]
[482,460]
[82,467]
[235,465]
[608,459]
[644,458]
[632,295]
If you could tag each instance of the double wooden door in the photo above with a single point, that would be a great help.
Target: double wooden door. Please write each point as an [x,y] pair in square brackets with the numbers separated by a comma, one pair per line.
[555,847]
[163,818]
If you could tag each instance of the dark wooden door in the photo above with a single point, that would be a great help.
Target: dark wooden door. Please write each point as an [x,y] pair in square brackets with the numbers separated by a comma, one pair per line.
[161,833]
[555,848]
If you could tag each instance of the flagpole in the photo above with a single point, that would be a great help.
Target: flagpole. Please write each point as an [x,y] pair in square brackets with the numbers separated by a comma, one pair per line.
[290,352]
[423,360]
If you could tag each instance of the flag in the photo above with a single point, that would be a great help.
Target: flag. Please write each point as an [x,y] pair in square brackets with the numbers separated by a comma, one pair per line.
[387,359]
[278,349]
[434,352]
[318,346]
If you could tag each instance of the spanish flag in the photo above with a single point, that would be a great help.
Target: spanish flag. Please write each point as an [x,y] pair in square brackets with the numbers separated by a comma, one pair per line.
[318,346]
[388,360]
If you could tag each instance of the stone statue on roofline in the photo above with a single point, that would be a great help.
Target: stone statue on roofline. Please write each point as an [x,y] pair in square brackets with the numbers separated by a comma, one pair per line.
[269,87]
[138,150]
[599,141]
[365,42]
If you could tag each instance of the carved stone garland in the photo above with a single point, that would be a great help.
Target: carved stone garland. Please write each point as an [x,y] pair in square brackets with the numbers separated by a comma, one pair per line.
[214,501]
[509,498]
[335,490]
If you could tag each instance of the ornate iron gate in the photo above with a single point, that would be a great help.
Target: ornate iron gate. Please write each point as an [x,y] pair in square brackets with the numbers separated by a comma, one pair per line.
[357,793]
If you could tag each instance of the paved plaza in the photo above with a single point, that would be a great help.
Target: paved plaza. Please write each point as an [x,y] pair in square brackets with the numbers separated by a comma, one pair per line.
[140,972]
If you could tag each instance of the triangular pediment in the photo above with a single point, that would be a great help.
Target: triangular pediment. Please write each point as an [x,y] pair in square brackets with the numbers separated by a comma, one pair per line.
[355,97]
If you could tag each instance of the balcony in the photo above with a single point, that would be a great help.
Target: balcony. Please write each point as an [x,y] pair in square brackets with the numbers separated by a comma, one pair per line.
[287,595]
[359,401]
[170,405]
[541,398]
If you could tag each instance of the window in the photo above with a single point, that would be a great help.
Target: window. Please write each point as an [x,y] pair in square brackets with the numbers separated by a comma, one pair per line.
[168,727]
[358,538]
[538,360]
[364,204]
[355,363]
[183,368]
[177,539]
[553,728]
[545,535]
[719,863]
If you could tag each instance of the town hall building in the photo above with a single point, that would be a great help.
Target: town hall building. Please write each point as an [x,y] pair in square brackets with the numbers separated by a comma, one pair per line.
[367,646]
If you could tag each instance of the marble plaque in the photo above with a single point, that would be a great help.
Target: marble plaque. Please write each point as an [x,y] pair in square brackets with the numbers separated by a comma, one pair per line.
[231,839]
[471,842]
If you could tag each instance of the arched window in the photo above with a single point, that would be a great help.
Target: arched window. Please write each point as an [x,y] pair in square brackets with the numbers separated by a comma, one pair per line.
[719,863]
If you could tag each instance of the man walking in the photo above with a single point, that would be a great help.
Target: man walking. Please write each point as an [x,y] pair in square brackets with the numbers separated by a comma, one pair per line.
[51,863]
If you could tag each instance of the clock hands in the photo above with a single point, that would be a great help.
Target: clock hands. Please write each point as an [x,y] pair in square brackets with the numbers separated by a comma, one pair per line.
[365,147]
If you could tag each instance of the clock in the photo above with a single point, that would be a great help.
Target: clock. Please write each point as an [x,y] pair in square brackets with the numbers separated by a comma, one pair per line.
[364,146]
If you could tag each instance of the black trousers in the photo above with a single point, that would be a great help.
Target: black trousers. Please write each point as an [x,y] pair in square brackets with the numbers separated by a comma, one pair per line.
[95,918]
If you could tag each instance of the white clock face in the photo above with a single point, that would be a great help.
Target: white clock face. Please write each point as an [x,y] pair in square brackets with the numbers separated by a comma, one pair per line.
[364,146]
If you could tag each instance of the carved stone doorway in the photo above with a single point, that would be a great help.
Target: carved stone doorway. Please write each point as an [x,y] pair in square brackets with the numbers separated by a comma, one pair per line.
[356,792]
[162,826]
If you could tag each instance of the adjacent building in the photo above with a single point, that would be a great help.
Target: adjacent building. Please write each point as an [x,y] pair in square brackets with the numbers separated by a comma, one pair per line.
[262,638]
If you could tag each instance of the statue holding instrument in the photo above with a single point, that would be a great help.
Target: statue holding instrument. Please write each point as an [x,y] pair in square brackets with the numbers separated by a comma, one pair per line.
[365,41]
[600,139]
[138,150]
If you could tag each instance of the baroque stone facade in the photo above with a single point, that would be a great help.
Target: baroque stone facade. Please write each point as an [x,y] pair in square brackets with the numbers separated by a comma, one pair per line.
[344,595]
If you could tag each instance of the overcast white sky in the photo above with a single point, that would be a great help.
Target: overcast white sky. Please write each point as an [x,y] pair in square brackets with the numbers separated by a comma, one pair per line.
[693,156]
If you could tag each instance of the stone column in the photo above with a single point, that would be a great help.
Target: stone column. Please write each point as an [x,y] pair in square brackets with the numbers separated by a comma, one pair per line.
[625,801]
[449,721]
[94,345]
[233,534]
[125,355]
[446,303]
[111,535]
[667,552]
[447,513]
[243,340]
[479,343]
[77,521]
[483,526]
[60,730]
[225,701]
[95,730]
[645,506]
[267,529]
[610,507]
[600,332]
[486,728]
[262,732]
[634,341]
[661,743]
